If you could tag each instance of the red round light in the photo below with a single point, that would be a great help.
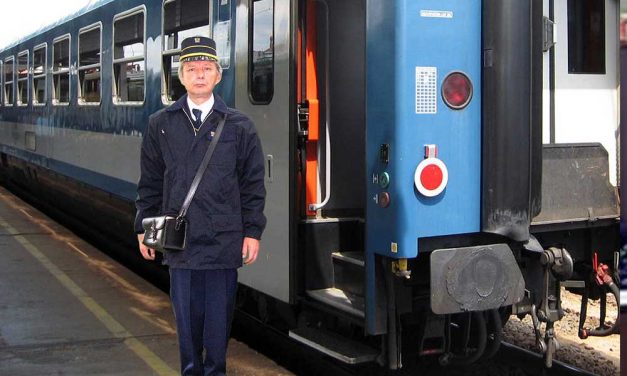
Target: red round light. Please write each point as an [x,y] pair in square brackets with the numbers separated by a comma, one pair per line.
[431,177]
[456,90]
[384,199]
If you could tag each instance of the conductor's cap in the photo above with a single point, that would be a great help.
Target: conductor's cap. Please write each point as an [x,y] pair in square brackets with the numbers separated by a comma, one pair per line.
[198,48]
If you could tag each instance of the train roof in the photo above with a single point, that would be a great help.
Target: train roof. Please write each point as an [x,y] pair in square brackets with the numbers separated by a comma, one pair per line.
[93,4]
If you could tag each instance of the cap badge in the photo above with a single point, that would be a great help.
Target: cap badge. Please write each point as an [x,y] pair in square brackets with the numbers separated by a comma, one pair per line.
[197,40]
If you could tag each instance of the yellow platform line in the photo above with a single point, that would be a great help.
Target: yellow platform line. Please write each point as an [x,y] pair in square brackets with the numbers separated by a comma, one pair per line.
[117,329]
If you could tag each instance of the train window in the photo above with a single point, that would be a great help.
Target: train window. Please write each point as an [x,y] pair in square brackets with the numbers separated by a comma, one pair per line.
[129,66]
[222,32]
[9,67]
[39,75]
[261,52]
[61,70]
[89,47]
[22,78]
[181,19]
[586,37]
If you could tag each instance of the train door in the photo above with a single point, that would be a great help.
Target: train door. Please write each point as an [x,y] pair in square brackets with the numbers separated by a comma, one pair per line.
[330,91]
[581,76]
[262,82]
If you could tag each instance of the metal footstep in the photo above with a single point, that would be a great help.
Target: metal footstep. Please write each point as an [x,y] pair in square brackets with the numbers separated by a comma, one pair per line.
[334,345]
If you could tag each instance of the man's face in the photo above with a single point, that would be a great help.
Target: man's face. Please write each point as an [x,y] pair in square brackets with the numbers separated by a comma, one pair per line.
[200,77]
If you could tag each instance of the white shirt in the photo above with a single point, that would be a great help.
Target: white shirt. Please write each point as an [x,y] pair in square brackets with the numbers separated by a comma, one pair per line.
[205,107]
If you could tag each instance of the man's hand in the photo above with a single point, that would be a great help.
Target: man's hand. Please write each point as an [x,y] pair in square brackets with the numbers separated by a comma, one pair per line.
[147,253]
[250,250]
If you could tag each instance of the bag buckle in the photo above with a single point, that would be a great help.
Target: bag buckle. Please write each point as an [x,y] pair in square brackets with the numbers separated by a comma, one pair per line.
[179,221]
[153,232]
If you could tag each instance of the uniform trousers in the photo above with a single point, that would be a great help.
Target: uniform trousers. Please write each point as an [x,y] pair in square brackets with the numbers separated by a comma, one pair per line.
[203,302]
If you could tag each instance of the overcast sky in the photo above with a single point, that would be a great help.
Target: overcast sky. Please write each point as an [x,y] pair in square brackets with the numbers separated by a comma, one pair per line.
[19,18]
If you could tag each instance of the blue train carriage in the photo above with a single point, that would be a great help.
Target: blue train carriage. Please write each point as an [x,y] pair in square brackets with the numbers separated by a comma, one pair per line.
[432,167]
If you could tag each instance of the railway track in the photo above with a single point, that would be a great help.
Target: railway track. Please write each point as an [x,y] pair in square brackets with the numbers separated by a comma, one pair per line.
[511,360]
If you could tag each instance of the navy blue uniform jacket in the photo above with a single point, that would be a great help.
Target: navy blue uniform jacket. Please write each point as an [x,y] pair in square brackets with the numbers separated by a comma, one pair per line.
[229,202]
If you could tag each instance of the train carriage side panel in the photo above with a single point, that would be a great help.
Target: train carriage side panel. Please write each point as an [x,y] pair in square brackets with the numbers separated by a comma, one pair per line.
[586,77]
[408,47]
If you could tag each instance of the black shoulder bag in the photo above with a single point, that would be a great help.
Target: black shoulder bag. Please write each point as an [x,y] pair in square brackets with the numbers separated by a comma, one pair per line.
[167,233]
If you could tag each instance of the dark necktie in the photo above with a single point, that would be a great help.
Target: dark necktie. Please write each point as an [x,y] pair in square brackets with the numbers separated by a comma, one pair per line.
[198,119]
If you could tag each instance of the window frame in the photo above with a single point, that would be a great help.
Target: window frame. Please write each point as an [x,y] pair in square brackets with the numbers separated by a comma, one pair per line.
[68,70]
[26,79]
[2,82]
[214,20]
[114,85]
[12,82]
[175,51]
[79,87]
[44,75]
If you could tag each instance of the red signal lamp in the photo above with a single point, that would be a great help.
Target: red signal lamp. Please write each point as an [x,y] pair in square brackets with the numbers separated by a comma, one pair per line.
[457,90]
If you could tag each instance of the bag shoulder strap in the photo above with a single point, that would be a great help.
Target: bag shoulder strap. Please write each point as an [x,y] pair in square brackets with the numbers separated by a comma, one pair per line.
[201,170]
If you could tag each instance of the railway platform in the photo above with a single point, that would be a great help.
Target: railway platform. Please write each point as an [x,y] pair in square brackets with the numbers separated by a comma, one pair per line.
[68,309]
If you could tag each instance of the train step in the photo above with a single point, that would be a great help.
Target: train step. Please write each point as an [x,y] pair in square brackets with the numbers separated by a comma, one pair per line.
[340,299]
[354,258]
[349,272]
[341,348]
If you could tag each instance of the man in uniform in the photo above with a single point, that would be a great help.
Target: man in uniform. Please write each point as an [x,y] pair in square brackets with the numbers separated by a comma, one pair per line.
[225,219]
